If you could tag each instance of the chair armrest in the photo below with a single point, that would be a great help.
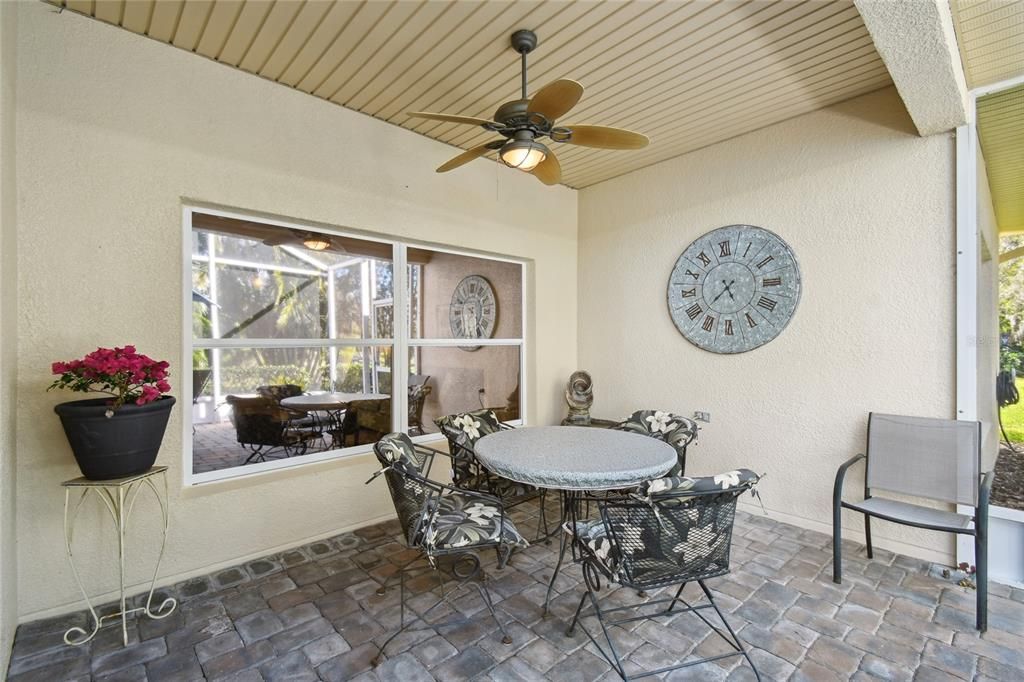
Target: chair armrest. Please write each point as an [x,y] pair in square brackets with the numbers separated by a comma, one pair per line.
[432,451]
[837,491]
[441,488]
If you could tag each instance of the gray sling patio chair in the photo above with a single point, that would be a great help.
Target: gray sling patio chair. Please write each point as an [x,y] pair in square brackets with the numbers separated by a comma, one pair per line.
[936,459]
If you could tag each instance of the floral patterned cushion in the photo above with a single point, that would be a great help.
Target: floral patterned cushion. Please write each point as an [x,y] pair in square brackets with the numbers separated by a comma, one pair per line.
[463,430]
[396,447]
[675,430]
[702,484]
[592,536]
[457,520]
[469,426]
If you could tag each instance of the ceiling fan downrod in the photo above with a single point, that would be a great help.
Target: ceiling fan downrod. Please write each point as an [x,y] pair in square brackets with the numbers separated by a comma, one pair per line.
[524,41]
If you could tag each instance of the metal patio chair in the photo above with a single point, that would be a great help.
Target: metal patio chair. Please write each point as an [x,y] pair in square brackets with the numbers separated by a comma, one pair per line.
[463,430]
[418,394]
[677,431]
[936,459]
[447,525]
[671,531]
[262,427]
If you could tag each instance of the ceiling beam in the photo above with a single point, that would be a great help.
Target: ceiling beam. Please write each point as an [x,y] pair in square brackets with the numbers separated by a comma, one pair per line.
[1007,256]
[917,42]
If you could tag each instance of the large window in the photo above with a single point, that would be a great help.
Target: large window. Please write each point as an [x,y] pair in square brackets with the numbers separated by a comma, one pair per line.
[298,356]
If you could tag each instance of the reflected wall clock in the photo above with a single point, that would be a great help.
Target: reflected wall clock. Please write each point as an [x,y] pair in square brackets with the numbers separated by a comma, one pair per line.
[473,310]
[734,289]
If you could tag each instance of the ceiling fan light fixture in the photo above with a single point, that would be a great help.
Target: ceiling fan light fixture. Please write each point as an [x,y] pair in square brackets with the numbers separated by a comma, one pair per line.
[523,154]
[316,243]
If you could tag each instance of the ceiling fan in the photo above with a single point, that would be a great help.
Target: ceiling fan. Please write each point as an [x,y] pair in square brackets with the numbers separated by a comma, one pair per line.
[522,122]
[311,240]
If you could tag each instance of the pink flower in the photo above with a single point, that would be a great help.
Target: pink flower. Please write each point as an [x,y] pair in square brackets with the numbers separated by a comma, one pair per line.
[149,394]
[121,372]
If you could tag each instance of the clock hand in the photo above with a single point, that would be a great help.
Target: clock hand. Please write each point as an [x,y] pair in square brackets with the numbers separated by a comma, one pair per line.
[726,291]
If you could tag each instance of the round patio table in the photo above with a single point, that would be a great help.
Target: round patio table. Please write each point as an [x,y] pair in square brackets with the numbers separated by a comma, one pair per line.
[575,457]
[572,460]
[327,401]
[333,404]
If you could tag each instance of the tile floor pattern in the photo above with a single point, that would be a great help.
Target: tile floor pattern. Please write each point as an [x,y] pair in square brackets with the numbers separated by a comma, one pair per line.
[312,613]
[215,446]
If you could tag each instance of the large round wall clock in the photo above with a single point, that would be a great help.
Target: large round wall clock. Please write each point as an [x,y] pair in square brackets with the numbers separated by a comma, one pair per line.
[473,310]
[734,289]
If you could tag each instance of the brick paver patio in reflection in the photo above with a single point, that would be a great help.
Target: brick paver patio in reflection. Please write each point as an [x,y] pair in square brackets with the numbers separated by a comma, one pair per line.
[312,613]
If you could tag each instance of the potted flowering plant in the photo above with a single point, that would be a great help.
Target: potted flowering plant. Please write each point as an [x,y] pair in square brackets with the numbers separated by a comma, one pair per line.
[118,435]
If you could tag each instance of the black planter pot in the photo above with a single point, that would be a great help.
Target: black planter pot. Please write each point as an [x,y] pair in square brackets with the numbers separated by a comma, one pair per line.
[113,447]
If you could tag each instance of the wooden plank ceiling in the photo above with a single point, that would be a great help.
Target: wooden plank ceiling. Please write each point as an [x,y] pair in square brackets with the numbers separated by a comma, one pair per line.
[686,73]
[1001,131]
[991,38]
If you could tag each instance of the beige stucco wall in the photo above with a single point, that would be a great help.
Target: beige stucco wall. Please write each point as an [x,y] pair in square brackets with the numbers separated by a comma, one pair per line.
[868,207]
[8,333]
[114,130]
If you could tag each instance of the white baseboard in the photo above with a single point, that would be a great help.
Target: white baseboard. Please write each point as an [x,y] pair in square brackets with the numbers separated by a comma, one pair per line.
[850,533]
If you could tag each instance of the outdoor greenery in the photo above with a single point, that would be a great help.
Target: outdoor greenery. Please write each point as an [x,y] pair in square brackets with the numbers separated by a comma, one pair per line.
[1011,332]
[269,292]
[1011,295]
[1013,417]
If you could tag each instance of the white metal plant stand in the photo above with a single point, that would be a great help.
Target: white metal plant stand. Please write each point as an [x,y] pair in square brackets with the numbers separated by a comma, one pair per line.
[118,496]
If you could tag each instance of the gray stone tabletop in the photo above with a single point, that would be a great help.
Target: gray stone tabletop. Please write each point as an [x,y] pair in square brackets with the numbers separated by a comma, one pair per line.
[575,458]
[328,401]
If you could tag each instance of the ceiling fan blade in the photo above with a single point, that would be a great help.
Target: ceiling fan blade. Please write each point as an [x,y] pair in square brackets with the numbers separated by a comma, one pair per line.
[549,171]
[280,240]
[449,118]
[555,99]
[604,137]
[469,155]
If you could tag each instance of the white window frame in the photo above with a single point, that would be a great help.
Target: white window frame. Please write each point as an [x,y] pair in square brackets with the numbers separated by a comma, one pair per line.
[967,249]
[400,344]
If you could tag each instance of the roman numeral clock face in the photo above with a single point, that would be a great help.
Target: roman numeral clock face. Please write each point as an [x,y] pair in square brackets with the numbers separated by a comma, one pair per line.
[734,289]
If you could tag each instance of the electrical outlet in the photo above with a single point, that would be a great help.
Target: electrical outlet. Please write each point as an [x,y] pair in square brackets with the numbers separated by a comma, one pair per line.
[702,417]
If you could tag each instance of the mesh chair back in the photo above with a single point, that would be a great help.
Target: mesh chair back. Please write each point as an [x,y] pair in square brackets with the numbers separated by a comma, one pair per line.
[397,454]
[938,459]
[676,537]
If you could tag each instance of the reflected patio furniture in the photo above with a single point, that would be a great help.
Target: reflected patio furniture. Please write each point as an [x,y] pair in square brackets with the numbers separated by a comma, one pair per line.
[200,379]
[677,431]
[367,420]
[265,429]
[463,430]
[279,392]
[418,394]
[935,459]
[331,411]
[669,532]
[446,525]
